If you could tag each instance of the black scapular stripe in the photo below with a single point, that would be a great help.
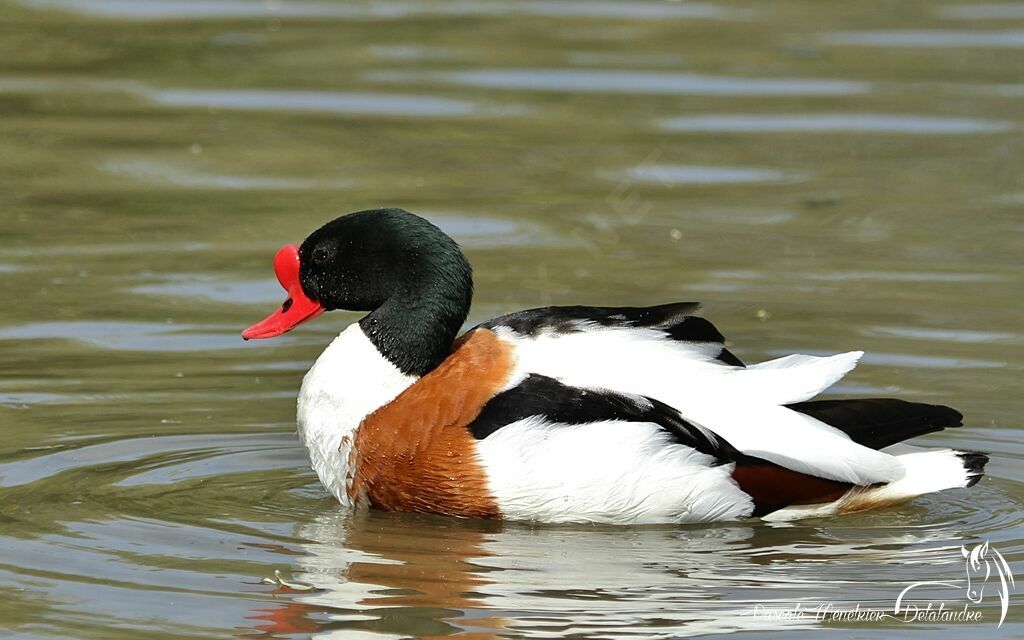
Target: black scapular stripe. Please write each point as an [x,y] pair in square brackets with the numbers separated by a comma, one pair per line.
[560,403]
[570,319]
[676,319]
[880,422]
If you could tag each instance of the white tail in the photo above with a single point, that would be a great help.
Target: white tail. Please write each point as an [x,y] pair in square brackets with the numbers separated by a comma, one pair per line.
[925,472]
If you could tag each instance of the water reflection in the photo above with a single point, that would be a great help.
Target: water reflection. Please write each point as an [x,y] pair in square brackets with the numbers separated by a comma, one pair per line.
[839,275]
[193,456]
[547,582]
[314,102]
[137,336]
[1001,11]
[163,173]
[938,38]
[362,103]
[24,399]
[150,476]
[266,291]
[632,81]
[839,122]
[297,9]
[682,174]
[948,335]
[929,362]
[556,581]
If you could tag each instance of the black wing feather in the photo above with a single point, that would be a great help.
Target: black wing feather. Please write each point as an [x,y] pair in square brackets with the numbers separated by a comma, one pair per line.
[543,396]
[880,422]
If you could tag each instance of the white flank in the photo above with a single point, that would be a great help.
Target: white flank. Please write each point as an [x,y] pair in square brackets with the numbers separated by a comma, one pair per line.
[925,472]
[349,381]
[608,472]
[741,405]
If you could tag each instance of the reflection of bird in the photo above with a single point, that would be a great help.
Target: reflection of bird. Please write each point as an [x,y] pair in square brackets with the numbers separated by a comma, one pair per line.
[403,575]
[363,568]
[618,415]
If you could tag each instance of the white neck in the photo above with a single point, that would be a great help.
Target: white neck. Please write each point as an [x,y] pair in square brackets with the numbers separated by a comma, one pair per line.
[349,381]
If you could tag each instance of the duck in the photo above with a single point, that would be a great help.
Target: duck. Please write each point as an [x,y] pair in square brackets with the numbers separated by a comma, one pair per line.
[573,414]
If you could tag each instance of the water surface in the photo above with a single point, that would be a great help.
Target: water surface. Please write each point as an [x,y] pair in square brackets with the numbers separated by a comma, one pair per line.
[823,176]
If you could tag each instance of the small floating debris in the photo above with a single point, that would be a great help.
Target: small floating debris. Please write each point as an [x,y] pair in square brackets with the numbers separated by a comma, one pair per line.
[278,581]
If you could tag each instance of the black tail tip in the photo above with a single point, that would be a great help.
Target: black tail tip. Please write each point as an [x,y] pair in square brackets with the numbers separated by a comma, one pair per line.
[974,465]
[950,417]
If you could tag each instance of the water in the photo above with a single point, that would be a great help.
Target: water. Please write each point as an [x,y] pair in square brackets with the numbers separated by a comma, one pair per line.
[824,176]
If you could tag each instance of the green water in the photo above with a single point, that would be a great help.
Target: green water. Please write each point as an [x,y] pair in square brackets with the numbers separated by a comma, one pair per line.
[824,176]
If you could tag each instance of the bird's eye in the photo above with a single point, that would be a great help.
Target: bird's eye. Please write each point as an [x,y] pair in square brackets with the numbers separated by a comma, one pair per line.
[320,255]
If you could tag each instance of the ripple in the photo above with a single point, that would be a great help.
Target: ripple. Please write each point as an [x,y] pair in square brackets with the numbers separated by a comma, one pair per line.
[334,102]
[902,276]
[131,336]
[282,100]
[25,398]
[946,335]
[241,9]
[117,525]
[107,250]
[627,11]
[163,173]
[121,583]
[683,174]
[857,276]
[405,53]
[34,468]
[929,39]
[630,59]
[859,389]
[467,230]
[614,81]
[849,122]
[744,217]
[910,360]
[217,9]
[552,581]
[1008,442]
[475,231]
[209,288]
[928,362]
[285,365]
[1004,11]
[1009,90]
[29,85]
[208,458]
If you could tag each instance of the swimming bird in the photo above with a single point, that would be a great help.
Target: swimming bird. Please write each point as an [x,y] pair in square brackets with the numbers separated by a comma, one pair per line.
[621,415]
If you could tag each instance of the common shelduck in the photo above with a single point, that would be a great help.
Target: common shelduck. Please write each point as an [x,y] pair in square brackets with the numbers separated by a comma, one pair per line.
[626,415]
